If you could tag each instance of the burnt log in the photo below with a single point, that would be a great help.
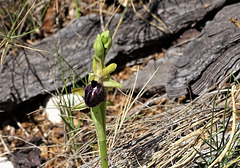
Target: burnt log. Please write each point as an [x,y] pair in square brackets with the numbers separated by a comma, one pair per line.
[30,73]
[209,57]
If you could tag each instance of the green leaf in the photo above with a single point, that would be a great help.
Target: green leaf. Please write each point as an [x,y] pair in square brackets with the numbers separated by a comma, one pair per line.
[111,83]
[67,123]
[78,91]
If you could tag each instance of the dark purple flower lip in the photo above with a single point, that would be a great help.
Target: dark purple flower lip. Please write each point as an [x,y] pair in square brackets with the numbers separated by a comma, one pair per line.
[95,93]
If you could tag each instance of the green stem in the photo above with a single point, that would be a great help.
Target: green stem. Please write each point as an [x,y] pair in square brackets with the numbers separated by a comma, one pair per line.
[98,114]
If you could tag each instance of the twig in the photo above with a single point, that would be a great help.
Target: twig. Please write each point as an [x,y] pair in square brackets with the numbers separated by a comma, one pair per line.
[147,104]
[151,23]
[101,16]
[4,144]
[18,45]
[120,21]
[157,18]
[20,126]
[112,16]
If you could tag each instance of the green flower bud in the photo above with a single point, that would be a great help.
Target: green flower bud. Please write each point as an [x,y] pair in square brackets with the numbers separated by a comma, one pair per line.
[99,48]
[106,40]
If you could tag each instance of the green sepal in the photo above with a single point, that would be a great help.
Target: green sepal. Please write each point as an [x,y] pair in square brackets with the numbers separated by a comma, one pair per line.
[78,91]
[106,71]
[80,106]
[111,83]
